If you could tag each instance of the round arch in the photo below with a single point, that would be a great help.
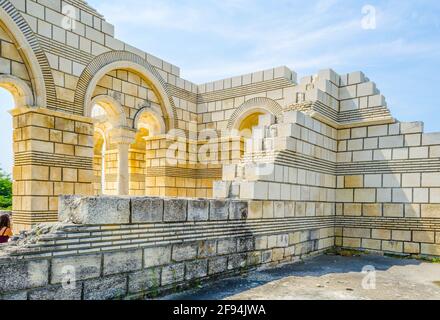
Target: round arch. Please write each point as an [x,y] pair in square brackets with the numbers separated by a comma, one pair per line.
[19,89]
[255,105]
[112,107]
[44,94]
[107,62]
[150,112]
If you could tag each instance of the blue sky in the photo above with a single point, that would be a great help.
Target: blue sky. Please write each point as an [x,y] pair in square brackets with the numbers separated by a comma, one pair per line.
[213,39]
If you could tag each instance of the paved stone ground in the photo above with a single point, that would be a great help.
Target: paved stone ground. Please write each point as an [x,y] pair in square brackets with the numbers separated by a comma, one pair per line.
[328,277]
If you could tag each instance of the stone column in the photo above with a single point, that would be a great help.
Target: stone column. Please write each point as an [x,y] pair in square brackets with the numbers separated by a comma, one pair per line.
[122,138]
[53,155]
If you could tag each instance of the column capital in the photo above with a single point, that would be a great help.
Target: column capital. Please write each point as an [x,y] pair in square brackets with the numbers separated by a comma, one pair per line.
[122,135]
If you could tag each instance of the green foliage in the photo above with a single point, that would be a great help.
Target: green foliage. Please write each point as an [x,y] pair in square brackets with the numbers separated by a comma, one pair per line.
[5,191]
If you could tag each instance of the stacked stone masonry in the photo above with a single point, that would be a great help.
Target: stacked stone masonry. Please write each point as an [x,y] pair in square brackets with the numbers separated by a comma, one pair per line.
[317,162]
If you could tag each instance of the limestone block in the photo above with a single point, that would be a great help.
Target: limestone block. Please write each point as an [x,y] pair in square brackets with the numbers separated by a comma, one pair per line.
[83,267]
[391,142]
[146,209]
[237,261]
[255,210]
[94,210]
[56,293]
[382,234]
[366,89]
[266,120]
[372,210]
[354,182]
[144,280]
[430,249]
[411,127]
[377,131]
[411,248]
[356,233]
[424,236]
[347,92]
[207,248]
[419,153]
[351,242]
[402,195]
[221,189]
[430,139]
[393,210]
[373,181]
[219,210]
[226,246]
[376,101]
[347,105]
[365,195]
[157,256]
[19,275]
[175,210]
[371,244]
[431,179]
[245,244]
[254,190]
[430,210]
[401,235]
[173,274]
[294,117]
[412,210]
[185,251]
[421,195]
[122,261]
[392,246]
[196,269]
[17,296]
[198,210]
[229,172]
[106,288]
[238,210]
[411,180]
[217,265]
[356,77]
[392,180]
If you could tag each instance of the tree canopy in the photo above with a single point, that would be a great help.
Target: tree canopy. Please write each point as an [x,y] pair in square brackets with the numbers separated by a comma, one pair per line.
[5,191]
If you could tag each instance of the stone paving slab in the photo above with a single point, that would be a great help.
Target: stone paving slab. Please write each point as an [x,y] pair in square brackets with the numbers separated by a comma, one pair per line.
[328,277]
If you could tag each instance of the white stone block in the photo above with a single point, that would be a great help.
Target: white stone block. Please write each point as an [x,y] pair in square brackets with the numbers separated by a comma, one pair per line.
[431,179]
[411,127]
[421,195]
[373,181]
[383,195]
[391,180]
[366,89]
[347,105]
[356,77]
[430,139]
[266,120]
[376,101]
[418,153]
[391,142]
[402,195]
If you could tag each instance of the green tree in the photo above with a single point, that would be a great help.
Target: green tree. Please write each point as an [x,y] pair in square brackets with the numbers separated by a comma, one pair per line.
[5,191]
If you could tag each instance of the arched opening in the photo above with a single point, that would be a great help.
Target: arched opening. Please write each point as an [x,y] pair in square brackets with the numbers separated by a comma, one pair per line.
[100,147]
[6,144]
[246,126]
[148,124]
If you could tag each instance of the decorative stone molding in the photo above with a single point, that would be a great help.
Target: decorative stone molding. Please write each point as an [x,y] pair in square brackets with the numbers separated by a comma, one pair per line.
[123,60]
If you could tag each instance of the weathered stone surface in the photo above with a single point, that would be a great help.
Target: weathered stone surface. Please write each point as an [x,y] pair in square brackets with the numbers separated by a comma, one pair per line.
[198,210]
[123,261]
[196,269]
[183,252]
[157,256]
[18,296]
[146,209]
[83,267]
[19,275]
[217,265]
[94,210]
[57,292]
[175,210]
[227,246]
[219,210]
[245,244]
[207,248]
[107,288]
[144,280]
[238,210]
[173,274]
[237,261]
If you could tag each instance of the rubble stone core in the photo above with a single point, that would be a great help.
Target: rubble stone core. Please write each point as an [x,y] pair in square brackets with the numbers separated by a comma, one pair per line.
[263,169]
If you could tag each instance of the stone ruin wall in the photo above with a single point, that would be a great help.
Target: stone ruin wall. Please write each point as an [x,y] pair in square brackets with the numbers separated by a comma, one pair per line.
[345,173]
